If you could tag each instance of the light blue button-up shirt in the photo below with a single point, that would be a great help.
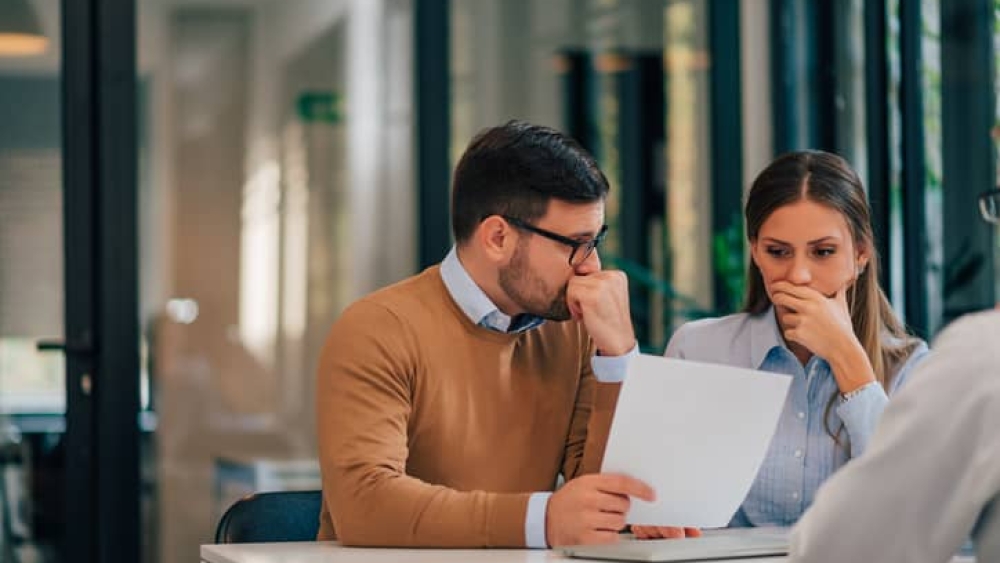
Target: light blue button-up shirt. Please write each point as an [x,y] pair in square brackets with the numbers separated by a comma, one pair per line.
[802,454]
[478,307]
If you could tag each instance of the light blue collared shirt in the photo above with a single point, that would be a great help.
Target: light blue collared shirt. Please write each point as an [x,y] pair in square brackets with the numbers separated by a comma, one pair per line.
[478,307]
[802,454]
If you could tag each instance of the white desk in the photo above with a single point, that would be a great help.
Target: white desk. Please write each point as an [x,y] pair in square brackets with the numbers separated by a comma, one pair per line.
[331,552]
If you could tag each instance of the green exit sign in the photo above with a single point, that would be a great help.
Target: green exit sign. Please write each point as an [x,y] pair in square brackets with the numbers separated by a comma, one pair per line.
[323,107]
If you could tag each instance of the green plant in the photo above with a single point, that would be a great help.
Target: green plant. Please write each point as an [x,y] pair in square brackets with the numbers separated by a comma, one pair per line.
[728,260]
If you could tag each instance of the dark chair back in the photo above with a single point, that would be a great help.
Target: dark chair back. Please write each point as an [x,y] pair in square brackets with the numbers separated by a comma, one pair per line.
[271,517]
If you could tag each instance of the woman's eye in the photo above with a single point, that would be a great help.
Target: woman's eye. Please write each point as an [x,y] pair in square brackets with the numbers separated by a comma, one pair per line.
[778,252]
[825,252]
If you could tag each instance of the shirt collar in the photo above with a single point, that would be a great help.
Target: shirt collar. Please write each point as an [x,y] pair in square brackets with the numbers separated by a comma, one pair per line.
[764,336]
[474,302]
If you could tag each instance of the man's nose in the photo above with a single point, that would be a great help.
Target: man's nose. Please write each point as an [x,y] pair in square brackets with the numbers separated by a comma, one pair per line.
[590,265]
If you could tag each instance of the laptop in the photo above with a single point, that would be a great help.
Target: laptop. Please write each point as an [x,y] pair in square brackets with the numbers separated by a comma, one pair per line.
[714,545]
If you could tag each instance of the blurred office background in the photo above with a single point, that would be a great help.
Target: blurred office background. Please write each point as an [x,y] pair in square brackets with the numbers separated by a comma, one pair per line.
[191,191]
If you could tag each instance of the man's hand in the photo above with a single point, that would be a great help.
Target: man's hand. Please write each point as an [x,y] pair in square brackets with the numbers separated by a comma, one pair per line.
[662,532]
[591,509]
[600,301]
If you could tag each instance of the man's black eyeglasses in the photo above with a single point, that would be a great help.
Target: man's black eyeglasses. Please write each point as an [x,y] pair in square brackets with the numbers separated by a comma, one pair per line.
[582,249]
[989,205]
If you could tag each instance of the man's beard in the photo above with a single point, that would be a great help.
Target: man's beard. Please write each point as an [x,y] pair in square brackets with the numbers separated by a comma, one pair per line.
[517,282]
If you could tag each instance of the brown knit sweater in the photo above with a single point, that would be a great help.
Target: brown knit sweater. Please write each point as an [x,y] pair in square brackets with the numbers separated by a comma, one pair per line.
[434,431]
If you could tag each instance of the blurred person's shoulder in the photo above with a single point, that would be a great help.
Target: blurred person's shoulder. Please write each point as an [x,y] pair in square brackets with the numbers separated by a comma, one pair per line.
[970,345]
[975,329]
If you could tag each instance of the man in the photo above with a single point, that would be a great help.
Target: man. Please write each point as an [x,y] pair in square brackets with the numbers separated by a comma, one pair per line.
[449,403]
[931,475]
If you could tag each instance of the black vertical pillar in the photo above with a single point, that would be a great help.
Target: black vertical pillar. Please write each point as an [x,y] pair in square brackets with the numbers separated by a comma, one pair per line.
[641,132]
[80,177]
[915,245]
[822,52]
[726,140]
[101,268]
[432,86]
[803,74]
[784,74]
[576,76]
[877,131]
[968,106]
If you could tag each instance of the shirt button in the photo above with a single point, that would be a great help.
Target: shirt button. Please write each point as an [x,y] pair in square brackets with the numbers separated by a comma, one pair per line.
[795,495]
[801,415]
[798,453]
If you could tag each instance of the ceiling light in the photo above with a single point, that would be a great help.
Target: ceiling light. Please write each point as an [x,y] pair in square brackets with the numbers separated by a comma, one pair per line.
[20,33]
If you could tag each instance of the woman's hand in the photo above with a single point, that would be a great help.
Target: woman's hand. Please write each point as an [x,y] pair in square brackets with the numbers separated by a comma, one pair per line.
[660,532]
[823,325]
[820,323]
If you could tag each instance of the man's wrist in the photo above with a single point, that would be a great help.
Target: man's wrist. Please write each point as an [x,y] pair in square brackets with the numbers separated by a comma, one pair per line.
[617,350]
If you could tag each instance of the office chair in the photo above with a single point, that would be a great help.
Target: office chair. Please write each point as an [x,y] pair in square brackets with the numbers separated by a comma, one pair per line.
[11,454]
[271,517]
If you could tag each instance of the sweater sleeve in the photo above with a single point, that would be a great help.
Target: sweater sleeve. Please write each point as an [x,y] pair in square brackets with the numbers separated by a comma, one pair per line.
[578,439]
[363,406]
[599,426]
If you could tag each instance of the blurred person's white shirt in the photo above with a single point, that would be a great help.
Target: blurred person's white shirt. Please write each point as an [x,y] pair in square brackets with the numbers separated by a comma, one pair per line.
[931,475]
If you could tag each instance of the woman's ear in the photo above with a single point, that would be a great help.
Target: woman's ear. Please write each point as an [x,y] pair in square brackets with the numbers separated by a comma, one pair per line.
[861,261]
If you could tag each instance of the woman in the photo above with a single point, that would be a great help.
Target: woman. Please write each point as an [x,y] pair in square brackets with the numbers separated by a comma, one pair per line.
[932,477]
[814,311]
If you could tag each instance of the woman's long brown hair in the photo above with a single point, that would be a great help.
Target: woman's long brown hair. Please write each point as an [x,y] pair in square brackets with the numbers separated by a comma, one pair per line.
[828,180]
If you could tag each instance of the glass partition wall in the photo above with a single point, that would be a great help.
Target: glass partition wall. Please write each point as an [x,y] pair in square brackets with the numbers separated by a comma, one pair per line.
[32,297]
[276,187]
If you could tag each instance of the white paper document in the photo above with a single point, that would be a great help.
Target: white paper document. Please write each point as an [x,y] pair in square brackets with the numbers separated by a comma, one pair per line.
[697,433]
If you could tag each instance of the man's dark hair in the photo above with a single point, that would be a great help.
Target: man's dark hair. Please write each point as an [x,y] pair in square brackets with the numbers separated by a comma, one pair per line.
[515,169]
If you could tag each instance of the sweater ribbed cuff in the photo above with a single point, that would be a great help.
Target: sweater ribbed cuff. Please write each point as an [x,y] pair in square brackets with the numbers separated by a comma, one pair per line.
[506,522]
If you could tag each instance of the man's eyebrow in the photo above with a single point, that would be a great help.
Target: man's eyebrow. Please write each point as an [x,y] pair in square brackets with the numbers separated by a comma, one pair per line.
[585,234]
